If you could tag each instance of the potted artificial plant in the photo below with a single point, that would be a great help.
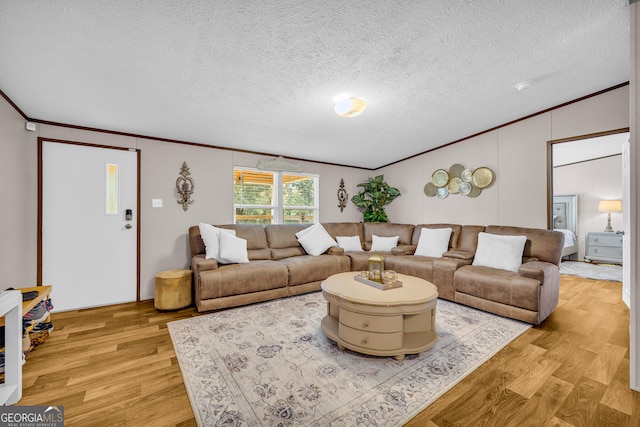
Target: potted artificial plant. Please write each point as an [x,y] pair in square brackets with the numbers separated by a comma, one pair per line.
[375,195]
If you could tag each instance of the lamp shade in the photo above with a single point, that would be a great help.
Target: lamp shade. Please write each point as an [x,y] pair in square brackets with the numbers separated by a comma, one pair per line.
[610,206]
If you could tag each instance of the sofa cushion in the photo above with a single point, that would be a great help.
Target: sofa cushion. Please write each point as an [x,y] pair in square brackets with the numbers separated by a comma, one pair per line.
[336,229]
[468,241]
[232,249]
[315,240]
[501,286]
[350,243]
[282,240]
[307,268]
[237,279]
[416,265]
[433,242]
[359,260]
[501,252]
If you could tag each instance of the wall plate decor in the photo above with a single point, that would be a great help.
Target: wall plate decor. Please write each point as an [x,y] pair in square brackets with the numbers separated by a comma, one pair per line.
[430,189]
[482,177]
[455,171]
[442,192]
[454,185]
[465,188]
[459,180]
[440,178]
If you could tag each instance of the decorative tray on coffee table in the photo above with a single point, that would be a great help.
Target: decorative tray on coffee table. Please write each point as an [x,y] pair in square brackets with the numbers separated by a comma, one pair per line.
[383,286]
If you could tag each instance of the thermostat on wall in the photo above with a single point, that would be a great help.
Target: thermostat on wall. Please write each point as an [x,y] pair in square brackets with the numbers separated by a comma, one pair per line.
[30,126]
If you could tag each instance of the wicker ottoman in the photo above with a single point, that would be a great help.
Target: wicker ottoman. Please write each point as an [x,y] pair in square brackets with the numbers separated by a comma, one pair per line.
[172,289]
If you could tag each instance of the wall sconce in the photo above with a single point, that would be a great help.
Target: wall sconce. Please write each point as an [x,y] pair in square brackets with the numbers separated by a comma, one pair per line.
[609,206]
[342,196]
[185,186]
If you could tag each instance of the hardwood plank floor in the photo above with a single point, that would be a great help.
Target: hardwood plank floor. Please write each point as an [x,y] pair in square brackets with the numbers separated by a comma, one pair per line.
[116,366]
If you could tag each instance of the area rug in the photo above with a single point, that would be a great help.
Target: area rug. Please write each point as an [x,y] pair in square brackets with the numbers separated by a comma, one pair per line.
[592,271]
[270,365]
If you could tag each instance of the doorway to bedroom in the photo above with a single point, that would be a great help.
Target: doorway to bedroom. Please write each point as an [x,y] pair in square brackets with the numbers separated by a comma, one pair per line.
[586,201]
[584,172]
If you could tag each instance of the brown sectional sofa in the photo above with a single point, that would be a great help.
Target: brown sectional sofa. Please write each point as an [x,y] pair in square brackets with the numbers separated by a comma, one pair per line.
[278,266]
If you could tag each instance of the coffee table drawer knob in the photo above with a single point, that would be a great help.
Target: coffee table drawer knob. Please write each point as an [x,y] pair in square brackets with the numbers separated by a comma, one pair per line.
[364,341]
[365,325]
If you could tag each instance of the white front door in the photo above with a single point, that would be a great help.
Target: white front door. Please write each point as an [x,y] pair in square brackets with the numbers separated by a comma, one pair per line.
[89,243]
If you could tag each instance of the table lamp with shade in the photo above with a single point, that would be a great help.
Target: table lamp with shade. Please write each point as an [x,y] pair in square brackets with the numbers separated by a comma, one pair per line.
[609,206]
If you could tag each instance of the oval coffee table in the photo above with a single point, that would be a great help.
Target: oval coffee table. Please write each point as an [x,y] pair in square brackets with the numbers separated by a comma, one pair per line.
[393,322]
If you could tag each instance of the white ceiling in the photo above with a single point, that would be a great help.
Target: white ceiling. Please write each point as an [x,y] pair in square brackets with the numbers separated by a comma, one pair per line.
[581,150]
[262,75]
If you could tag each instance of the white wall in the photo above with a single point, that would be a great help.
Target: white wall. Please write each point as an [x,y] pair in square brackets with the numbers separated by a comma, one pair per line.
[517,153]
[16,261]
[164,242]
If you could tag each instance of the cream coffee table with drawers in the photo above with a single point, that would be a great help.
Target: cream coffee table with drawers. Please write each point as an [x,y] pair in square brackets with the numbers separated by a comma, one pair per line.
[393,322]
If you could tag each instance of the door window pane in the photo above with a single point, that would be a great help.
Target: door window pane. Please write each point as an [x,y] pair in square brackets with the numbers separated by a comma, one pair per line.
[112,189]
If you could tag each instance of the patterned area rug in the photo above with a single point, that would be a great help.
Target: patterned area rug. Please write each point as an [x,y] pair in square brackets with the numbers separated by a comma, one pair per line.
[592,271]
[270,365]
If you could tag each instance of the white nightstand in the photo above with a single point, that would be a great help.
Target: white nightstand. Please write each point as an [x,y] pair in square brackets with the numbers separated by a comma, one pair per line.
[604,247]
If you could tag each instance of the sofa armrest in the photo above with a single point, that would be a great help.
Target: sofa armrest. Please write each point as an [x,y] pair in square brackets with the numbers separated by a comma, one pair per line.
[200,264]
[532,270]
[548,274]
[456,254]
[403,250]
[335,250]
[443,273]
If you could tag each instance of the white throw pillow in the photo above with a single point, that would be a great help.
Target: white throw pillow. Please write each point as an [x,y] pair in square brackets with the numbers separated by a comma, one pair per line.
[211,238]
[350,243]
[316,241]
[498,251]
[307,230]
[433,242]
[383,244]
[233,250]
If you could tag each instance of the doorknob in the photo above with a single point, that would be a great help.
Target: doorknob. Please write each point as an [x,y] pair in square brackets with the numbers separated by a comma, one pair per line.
[128,226]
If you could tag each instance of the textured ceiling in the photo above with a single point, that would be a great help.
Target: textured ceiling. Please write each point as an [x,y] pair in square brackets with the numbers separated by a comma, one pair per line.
[262,75]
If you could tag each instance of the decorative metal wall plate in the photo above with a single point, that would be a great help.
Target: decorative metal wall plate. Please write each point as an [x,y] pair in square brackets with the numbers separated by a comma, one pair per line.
[482,177]
[440,178]
[459,180]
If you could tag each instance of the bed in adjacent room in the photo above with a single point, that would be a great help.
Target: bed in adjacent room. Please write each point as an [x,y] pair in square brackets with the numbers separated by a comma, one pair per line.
[565,220]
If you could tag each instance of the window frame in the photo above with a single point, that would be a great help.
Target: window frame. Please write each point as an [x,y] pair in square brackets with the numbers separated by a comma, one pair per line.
[279,208]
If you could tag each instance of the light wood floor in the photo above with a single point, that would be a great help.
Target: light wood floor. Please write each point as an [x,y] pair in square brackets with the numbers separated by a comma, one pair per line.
[116,366]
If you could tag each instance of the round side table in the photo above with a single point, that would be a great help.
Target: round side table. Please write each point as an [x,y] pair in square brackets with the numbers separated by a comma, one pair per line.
[172,289]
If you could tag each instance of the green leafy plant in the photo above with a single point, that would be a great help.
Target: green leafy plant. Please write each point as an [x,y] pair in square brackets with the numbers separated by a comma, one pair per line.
[375,195]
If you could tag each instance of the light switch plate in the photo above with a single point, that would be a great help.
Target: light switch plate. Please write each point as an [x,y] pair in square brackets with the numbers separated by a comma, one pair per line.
[156,203]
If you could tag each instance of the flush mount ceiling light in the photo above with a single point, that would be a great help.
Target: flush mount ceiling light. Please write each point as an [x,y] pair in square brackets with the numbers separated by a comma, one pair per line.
[350,107]
[523,85]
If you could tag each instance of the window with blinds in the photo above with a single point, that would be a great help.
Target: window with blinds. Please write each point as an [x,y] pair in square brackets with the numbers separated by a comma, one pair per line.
[264,197]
